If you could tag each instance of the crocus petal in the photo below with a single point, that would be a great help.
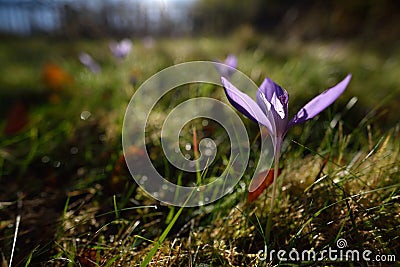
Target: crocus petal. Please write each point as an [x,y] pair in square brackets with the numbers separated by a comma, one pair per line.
[245,104]
[262,101]
[89,62]
[121,49]
[268,87]
[231,60]
[267,90]
[278,106]
[230,68]
[320,102]
[272,95]
[224,70]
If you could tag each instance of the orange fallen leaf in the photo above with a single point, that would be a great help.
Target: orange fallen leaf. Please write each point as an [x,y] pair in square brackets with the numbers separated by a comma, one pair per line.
[17,118]
[55,77]
[265,179]
[90,257]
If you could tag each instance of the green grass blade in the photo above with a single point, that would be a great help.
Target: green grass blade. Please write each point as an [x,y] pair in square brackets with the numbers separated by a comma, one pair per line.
[164,235]
[115,207]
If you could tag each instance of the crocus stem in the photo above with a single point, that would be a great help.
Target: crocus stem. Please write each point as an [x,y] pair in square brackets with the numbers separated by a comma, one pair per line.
[276,170]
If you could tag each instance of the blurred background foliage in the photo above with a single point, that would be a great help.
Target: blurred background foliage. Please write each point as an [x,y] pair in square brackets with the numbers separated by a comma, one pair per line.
[369,20]
[305,18]
[308,19]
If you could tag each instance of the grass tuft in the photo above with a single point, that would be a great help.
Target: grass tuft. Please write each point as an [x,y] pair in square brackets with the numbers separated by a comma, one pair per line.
[340,177]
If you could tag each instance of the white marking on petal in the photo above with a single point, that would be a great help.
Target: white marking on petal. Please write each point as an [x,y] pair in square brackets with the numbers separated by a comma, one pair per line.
[267,104]
[278,106]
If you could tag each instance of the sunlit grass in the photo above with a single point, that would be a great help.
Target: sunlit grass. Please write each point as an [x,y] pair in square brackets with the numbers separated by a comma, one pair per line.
[339,180]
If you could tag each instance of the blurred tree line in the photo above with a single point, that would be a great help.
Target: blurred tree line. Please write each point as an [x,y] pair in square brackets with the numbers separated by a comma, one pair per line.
[306,19]
[124,18]
[375,20]
[81,18]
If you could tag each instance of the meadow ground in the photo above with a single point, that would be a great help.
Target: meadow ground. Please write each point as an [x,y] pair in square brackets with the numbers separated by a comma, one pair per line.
[65,187]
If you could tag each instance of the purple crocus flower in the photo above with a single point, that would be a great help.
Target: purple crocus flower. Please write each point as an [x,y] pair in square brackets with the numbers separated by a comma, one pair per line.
[231,61]
[89,62]
[273,99]
[122,49]
[271,110]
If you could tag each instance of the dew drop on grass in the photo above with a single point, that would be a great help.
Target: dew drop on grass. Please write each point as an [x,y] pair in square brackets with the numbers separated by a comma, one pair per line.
[74,150]
[242,186]
[143,180]
[57,164]
[164,187]
[85,115]
[229,190]
[188,146]
[45,159]
[80,171]
[102,137]
[208,152]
